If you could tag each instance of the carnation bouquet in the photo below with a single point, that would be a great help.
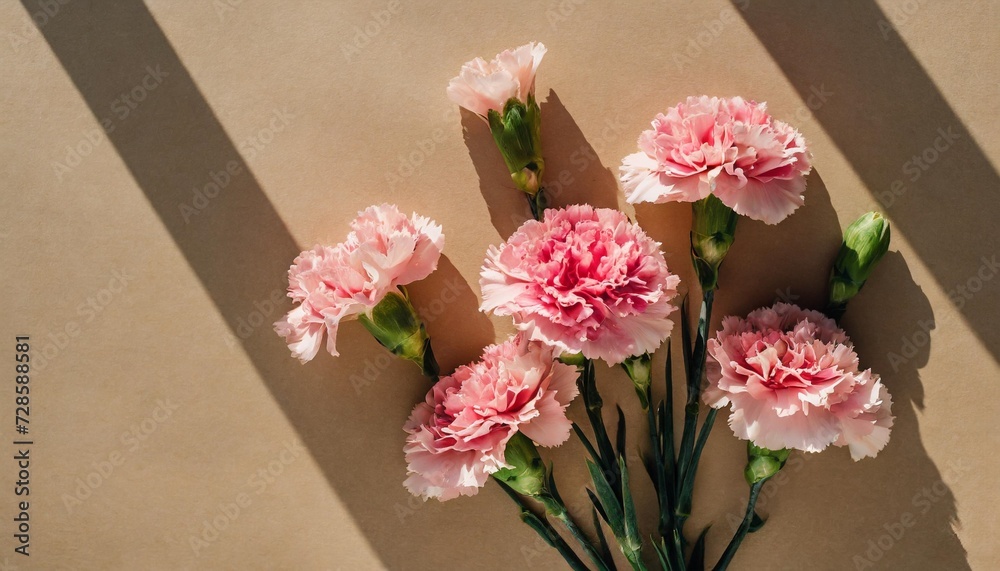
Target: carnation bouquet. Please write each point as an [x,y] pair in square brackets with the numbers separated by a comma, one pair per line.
[584,285]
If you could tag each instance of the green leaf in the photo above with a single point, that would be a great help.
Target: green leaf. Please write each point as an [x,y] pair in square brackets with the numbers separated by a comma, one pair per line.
[757,522]
[621,432]
[587,383]
[608,499]
[597,504]
[605,551]
[667,420]
[586,442]
[630,518]
[686,334]
[543,529]
[651,462]
[697,560]
[661,429]
[661,554]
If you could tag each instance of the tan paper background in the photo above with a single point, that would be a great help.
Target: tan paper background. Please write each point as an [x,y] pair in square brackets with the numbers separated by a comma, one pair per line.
[322,119]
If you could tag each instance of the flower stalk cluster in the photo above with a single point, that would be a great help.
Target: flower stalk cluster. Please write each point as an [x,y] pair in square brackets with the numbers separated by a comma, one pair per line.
[584,285]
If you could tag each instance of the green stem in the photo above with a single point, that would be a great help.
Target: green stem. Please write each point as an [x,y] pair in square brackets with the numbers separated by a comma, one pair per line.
[594,404]
[678,540]
[664,480]
[574,530]
[429,365]
[741,533]
[545,530]
[538,203]
[706,429]
[687,462]
[655,441]
[669,485]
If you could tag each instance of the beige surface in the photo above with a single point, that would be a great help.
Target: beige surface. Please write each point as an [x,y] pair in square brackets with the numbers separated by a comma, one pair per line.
[316,130]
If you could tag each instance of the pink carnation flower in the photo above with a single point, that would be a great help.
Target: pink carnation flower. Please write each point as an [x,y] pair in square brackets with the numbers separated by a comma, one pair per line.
[482,85]
[456,438]
[585,280]
[791,378]
[754,164]
[384,250]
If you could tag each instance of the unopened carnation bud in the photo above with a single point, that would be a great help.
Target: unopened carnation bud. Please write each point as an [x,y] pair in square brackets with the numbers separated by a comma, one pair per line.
[713,230]
[763,463]
[396,326]
[526,474]
[640,370]
[517,133]
[866,241]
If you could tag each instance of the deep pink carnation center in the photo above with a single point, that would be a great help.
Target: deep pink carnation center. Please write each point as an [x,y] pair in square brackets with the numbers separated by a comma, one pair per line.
[587,273]
[584,279]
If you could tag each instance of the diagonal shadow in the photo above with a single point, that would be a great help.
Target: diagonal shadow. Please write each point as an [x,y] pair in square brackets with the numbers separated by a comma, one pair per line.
[905,490]
[925,171]
[235,242]
[920,163]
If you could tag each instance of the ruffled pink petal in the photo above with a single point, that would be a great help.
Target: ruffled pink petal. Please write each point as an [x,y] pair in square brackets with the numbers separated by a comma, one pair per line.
[583,280]
[550,427]
[769,202]
[866,421]
[384,250]
[445,475]
[643,181]
[730,147]
[791,379]
[482,86]
[563,383]
[753,420]
[457,437]
[303,335]
[426,252]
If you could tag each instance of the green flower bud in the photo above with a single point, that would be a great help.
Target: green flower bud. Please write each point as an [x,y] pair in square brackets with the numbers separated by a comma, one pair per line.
[866,241]
[527,472]
[640,370]
[396,326]
[576,359]
[713,230]
[517,133]
[763,463]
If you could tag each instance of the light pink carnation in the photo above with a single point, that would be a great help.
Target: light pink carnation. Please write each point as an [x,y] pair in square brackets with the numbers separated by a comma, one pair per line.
[585,280]
[482,85]
[385,249]
[754,164]
[791,378]
[457,437]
